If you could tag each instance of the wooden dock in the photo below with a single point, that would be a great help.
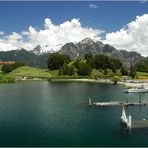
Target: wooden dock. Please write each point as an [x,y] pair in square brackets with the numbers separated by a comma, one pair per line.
[140,124]
[134,124]
[118,103]
[127,120]
[103,104]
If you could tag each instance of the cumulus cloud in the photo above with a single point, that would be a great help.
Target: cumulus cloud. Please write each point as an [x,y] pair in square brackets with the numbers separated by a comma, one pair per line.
[51,37]
[132,37]
[94,6]
[2,33]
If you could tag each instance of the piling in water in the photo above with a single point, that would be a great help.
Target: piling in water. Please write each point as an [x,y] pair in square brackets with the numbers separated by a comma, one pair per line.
[140,99]
[90,102]
[126,99]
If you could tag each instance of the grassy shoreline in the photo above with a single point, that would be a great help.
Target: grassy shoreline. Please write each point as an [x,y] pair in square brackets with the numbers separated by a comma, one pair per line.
[26,73]
[81,80]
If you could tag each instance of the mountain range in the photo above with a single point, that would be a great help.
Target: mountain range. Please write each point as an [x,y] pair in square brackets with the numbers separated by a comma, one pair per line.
[38,56]
[78,50]
[27,57]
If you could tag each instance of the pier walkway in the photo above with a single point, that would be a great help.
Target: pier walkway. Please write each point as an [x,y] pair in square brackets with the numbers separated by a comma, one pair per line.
[101,104]
[118,103]
[127,120]
[140,124]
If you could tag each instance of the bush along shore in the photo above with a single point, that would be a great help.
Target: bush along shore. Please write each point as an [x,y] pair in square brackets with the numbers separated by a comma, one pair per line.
[6,79]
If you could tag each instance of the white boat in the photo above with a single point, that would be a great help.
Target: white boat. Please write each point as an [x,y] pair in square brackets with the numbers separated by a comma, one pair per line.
[123,117]
[137,89]
[126,120]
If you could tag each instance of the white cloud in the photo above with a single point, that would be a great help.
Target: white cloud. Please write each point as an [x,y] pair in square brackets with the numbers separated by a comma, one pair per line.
[52,37]
[13,42]
[133,37]
[2,33]
[93,6]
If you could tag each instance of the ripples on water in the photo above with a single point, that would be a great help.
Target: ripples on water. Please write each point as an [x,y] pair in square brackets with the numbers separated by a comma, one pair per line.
[57,114]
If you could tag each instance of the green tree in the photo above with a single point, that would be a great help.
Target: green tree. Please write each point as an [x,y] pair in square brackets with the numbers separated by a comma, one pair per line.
[115,64]
[114,70]
[95,74]
[63,69]
[6,68]
[71,68]
[90,59]
[123,71]
[101,61]
[67,69]
[142,66]
[105,72]
[88,56]
[84,68]
[133,72]
[56,60]
[118,72]
[116,79]
[77,63]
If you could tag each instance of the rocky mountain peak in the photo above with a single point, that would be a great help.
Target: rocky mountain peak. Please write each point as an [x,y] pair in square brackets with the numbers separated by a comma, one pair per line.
[78,50]
[87,41]
[38,50]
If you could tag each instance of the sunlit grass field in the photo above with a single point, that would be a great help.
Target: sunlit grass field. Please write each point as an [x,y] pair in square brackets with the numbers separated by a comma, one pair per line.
[142,75]
[31,72]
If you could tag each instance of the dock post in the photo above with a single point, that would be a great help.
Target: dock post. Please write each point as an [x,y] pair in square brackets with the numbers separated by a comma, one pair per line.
[126,99]
[123,108]
[90,102]
[140,99]
[130,121]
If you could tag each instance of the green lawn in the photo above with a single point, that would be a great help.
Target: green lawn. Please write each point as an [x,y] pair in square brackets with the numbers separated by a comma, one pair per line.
[142,75]
[31,72]
[6,78]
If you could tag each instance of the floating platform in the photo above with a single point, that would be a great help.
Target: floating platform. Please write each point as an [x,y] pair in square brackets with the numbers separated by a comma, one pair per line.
[103,104]
[140,124]
[134,124]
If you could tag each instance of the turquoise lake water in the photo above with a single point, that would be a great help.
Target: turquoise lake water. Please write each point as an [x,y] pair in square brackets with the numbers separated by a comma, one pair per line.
[40,113]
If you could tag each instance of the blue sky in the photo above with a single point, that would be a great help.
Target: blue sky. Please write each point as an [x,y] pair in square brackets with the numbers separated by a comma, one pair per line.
[26,24]
[110,16]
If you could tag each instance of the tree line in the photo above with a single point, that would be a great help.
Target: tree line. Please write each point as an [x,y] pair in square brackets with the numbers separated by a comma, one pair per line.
[6,68]
[142,66]
[85,67]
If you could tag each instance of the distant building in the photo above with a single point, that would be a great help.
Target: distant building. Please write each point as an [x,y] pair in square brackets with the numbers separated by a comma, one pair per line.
[6,62]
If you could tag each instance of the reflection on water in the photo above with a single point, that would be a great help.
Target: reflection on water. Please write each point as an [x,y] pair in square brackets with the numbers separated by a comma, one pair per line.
[125,131]
[57,114]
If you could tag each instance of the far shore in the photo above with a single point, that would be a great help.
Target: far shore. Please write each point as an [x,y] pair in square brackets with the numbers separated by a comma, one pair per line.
[33,79]
[132,85]
[82,80]
[125,84]
[108,81]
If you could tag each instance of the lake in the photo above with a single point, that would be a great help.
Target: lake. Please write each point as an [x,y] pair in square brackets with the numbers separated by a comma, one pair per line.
[41,113]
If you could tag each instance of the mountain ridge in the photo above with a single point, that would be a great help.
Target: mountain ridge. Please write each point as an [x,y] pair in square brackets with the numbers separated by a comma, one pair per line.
[38,57]
[78,50]
[27,57]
